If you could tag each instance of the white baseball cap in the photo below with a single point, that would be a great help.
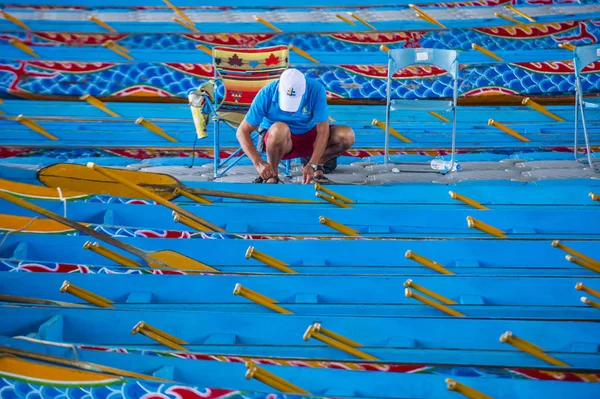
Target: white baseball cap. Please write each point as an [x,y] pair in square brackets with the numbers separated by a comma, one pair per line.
[292,85]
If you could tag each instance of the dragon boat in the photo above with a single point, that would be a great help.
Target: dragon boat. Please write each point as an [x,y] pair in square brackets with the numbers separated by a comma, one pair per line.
[452,252]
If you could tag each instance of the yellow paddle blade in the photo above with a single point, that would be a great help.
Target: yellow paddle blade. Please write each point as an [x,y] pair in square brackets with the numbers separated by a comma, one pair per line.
[82,373]
[25,224]
[175,260]
[38,192]
[84,179]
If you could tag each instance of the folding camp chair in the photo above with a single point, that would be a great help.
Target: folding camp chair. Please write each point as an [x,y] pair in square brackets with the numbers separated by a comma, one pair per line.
[243,72]
[583,56]
[401,58]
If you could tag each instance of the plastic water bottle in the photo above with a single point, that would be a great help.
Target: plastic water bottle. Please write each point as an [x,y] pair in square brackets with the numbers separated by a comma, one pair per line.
[440,164]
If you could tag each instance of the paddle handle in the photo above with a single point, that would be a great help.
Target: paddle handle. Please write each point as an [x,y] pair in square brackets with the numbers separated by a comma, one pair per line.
[72,224]
[35,301]
[152,196]
[249,197]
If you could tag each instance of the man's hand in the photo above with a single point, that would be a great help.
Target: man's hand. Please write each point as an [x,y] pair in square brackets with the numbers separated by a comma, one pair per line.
[264,169]
[308,174]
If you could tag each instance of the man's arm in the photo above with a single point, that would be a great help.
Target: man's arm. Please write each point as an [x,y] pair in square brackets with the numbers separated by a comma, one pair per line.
[320,142]
[251,121]
[243,136]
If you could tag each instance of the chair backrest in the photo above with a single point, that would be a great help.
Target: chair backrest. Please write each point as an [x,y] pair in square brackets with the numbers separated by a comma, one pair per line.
[583,56]
[401,58]
[244,71]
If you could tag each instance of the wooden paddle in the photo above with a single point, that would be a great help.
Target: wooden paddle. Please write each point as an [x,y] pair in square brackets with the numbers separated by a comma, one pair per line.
[82,179]
[158,259]
[35,301]
[155,197]
[39,192]
[33,224]
[87,366]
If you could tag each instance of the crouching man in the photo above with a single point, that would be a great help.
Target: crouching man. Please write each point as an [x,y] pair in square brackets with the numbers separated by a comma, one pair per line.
[292,118]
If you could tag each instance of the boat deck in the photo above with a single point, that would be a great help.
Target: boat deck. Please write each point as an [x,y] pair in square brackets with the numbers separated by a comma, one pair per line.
[130,269]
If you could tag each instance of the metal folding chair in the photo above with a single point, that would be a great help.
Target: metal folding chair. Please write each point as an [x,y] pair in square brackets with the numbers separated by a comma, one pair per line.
[401,58]
[582,57]
[243,72]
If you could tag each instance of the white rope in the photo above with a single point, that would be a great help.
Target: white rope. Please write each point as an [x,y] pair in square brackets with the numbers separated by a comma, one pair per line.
[17,231]
[51,343]
[64,201]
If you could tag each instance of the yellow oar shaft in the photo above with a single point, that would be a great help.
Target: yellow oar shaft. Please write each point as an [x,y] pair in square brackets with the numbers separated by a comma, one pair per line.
[72,224]
[36,301]
[152,196]
[250,197]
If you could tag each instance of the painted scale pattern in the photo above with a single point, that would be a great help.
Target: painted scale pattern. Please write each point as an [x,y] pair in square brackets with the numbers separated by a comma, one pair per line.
[22,387]
[345,81]
[342,81]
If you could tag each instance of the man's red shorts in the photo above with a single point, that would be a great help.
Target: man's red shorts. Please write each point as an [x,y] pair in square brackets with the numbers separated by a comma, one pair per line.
[302,144]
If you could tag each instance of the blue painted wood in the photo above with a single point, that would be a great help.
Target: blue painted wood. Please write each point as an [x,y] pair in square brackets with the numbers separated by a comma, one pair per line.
[167,373]
[303,290]
[140,297]
[320,381]
[20,251]
[423,129]
[548,313]
[527,298]
[100,266]
[304,220]
[281,335]
[423,136]
[167,113]
[343,257]
[492,194]
[108,217]
[52,329]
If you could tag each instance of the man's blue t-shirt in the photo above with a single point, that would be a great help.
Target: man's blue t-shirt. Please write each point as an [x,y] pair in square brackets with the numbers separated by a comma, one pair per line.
[265,110]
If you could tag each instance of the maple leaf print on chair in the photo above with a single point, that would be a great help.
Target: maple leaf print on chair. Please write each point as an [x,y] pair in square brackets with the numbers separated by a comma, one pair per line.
[272,60]
[235,61]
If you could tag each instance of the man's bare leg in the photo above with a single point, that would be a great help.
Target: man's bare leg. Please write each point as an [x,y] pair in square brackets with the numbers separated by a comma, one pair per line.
[341,139]
[279,143]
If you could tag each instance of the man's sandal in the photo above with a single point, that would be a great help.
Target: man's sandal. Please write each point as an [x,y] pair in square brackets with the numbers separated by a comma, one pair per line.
[266,181]
[320,178]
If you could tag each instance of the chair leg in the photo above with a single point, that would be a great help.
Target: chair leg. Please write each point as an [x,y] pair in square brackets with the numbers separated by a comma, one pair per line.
[576,120]
[216,149]
[585,133]
[388,99]
[454,122]
[286,167]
